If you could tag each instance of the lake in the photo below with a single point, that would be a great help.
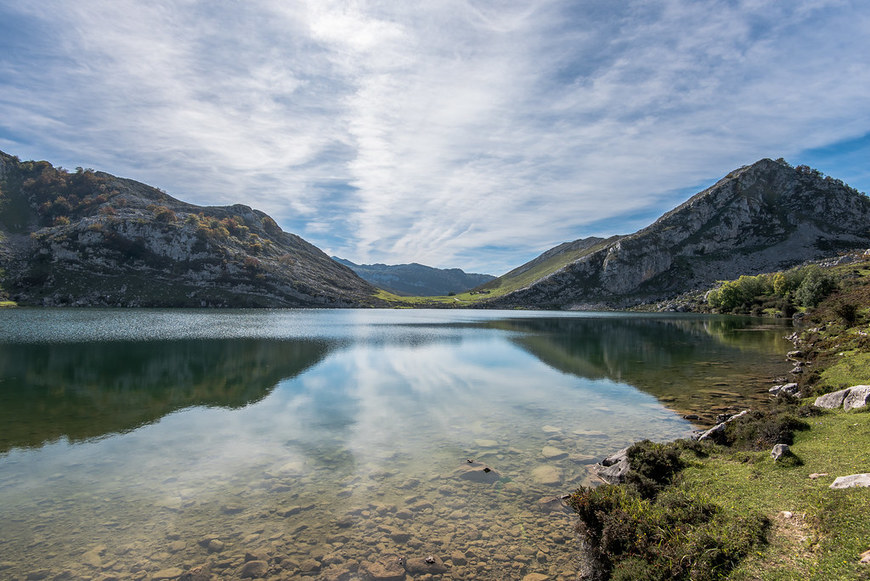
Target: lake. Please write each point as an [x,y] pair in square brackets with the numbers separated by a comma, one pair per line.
[338,444]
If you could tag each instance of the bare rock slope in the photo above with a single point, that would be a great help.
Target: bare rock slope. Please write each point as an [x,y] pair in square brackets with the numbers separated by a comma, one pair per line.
[90,238]
[759,218]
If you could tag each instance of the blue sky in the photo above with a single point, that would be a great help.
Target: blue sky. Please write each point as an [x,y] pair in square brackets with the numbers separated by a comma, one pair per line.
[456,133]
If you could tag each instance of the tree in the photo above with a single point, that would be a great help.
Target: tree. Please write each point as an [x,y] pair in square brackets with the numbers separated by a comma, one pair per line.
[815,286]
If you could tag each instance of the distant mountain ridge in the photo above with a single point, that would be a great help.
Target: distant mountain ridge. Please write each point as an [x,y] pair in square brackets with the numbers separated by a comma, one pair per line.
[92,239]
[417,280]
[89,238]
[760,218]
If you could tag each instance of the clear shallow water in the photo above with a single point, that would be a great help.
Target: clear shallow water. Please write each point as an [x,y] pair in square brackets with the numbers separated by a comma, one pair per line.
[140,444]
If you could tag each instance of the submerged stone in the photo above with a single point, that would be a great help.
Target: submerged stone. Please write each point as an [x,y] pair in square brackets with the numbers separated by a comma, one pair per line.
[431,565]
[477,472]
[386,568]
[553,453]
[547,475]
[254,569]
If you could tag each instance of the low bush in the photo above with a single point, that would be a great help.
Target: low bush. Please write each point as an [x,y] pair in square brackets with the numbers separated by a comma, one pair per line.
[674,536]
[760,431]
[653,466]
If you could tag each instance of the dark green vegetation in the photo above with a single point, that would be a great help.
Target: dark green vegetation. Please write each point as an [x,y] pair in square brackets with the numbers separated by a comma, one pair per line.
[696,366]
[646,530]
[782,292]
[89,238]
[87,390]
[416,279]
[727,510]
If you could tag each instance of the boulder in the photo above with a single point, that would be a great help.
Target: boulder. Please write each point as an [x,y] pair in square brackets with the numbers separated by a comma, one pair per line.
[254,569]
[718,430]
[786,388]
[549,504]
[614,468]
[198,573]
[779,451]
[547,475]
[858,397]
[167,574]
[832,400]
[553,453]
[852,481]
[850,398]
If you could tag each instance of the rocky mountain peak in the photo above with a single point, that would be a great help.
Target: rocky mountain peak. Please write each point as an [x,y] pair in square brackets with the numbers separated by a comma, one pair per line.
[90,238]
[763,217]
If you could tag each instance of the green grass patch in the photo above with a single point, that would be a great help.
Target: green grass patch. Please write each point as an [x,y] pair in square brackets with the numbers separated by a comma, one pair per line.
[459,300]
[647,530]
[827,530]
[519,278]
[704,511]
[852,369]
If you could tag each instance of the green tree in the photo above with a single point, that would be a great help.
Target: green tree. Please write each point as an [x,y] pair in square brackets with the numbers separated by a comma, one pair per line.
[815,286]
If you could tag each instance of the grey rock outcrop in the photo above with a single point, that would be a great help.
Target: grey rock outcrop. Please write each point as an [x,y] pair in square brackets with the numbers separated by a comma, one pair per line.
[786,389]
[851,481]
[614,468]
[850,398]
[715,433]
[760,218]
[779,452]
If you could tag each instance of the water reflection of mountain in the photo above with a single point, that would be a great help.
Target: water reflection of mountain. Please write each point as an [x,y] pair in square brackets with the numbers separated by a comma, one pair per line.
[689,363]
[86,390]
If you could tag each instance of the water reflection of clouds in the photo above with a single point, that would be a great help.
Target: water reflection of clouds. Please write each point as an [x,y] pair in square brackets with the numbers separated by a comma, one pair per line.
[418,396]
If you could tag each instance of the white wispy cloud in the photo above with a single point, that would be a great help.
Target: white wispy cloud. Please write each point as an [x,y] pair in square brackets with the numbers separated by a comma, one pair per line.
[456,133]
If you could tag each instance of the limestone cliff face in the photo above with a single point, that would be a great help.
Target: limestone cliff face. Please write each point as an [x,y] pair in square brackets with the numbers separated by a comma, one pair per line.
[759,218]
[90,238]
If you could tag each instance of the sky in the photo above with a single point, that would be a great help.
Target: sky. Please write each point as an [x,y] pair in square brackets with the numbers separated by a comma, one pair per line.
[454,133]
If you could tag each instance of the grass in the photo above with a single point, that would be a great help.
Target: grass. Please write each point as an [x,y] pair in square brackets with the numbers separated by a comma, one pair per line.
[514,280]
[828,529]
[518,278]
[851,369]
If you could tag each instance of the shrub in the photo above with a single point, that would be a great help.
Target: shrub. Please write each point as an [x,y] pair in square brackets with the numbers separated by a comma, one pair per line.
[847,311]
[164,214]
[674,536]
[760,431]
[815,287]
[652,466]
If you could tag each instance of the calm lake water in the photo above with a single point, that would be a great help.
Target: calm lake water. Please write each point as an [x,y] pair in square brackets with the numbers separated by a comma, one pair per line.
[329,444]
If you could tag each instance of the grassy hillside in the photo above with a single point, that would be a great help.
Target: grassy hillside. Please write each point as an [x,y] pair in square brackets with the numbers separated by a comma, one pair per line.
[709,511]
[543,266]
[520,277]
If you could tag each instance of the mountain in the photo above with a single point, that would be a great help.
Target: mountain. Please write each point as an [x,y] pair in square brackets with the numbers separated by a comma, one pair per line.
[92,239]
[417,280]
[760,218]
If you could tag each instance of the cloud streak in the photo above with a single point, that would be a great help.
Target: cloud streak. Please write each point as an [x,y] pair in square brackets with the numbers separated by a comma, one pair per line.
[457,133]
